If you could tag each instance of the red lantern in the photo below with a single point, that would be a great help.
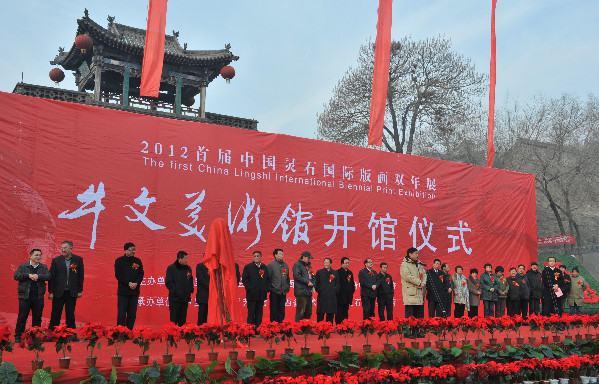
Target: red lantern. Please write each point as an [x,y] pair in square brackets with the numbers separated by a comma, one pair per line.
[83,42]
[56,75]
[227,72]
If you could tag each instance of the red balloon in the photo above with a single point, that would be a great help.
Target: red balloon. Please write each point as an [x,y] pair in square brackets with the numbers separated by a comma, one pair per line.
[227,72]
[83,42]
[56,75]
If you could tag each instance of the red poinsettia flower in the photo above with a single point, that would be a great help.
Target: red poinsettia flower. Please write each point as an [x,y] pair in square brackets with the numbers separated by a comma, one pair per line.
[135,265]
[349,278]
[284,271]
[331,277]
[371,273]
[74,268]
[262,273]
[388,280]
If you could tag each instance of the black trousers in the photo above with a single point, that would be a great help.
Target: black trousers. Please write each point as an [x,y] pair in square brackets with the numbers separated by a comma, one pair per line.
[321,317]
[524,308]
[277,307]
[36,306]
[416,311]
[342,312]
[303,309]
[202,313]
[548,308]
[459,310]
[368,304]
[473,312]
[178,312]
[447,305]
[513,307]
[69,304]
[534,306]
[385,303]
[127,310]
[434,309]
[255,309]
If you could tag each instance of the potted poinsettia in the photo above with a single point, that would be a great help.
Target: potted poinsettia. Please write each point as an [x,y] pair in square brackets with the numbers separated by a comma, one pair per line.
[368,327]
[231,332]
[143,337]
[191,334]
[246,332]
[386,328]
[287,330]
[33,339]
[92,332]
[170,333]
[537,323]
[269,332]
[212,333]
[305,328]
[346,328]
[5,343]
[63,336]
[116,336]
[323,329]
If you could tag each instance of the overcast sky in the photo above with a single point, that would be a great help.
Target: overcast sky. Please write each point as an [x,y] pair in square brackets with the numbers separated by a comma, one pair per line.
[293,53]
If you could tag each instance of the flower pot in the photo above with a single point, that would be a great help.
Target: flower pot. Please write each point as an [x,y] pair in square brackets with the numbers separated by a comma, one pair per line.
[346,348]
[553,381]
[465,342]
[64,362]
[324,350]
[564,381]
[213,356]
[190,357]
[270,353]
[453,343]
[528,382]
[438,343]
[367,348]
[556,338]
[415,344]
[577,337]
[143,359]
[492,341]
[588,336]
[116,360]
[426,344]
[519,340]
[585,380]
[387,347]
[401,344]
[233,355]
[544,340]
[507,341]
[305,350]
[478,342]
[250,354]
[37,364]
[167,358]
[592,380]
[90,361]
[288,351]
[532,340]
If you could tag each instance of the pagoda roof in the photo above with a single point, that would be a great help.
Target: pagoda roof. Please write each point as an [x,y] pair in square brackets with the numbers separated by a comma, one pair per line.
[130,40]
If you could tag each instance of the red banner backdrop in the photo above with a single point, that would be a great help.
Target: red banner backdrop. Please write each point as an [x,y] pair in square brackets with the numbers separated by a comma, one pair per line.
[101,178]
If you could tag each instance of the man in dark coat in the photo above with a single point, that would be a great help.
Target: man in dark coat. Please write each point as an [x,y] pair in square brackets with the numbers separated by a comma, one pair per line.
[129,273]
[203,280]
[367,278]
[567,285]
[347,287]
[447,280]
[536,288]
[303,277]
[513,294]
[32,277]
[256,281]
[384,293]
[553,282]
[278,271]
[327,287]
[179,282]
[436,288]
[65,285]
[524,291]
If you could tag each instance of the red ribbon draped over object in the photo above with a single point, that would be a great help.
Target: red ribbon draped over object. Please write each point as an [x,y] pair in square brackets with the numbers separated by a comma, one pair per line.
[151,71]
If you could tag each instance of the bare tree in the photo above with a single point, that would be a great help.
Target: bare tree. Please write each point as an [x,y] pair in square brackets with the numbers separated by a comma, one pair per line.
[432,90]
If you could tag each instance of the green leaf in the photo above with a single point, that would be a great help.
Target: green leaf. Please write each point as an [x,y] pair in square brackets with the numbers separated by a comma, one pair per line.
[54,375]
[8,373]
[113,375]
[41,376]
[511,349]
[135,378]
[456,352]
[244,373]
[228,366]
[171,373]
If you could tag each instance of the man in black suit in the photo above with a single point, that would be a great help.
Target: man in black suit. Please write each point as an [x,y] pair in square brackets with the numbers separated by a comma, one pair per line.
[179,282]
[256,281]
[65,285]
[384,293]
[327,286]
[129,273]
[553,282]
[347,287]
[436,290]
[367,278]
[203,292]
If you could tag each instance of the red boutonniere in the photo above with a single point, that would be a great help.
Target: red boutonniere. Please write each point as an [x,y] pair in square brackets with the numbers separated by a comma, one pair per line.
[566,281]
[74,268]
[371,273]
[477,285]
[262,273]
[331,277]
[388,280]
[463,283]
[284,271]
[188,275]
[556,274]
[492,279]
[450,279]
[349,278]
[541,280]
[515,284]
[502,279]
[135,265]
[421,276]
[311,272]
[579,283]
[441,278]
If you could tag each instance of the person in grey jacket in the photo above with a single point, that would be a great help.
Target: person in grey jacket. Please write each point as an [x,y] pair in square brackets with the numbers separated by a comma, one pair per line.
[303,286]
[32,277]
[278,270]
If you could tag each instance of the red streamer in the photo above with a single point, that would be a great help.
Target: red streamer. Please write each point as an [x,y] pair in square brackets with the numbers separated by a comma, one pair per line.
[490,145]
[151,72]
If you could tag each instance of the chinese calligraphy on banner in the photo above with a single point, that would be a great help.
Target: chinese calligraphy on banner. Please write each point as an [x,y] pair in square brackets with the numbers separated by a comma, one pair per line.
[101,177]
